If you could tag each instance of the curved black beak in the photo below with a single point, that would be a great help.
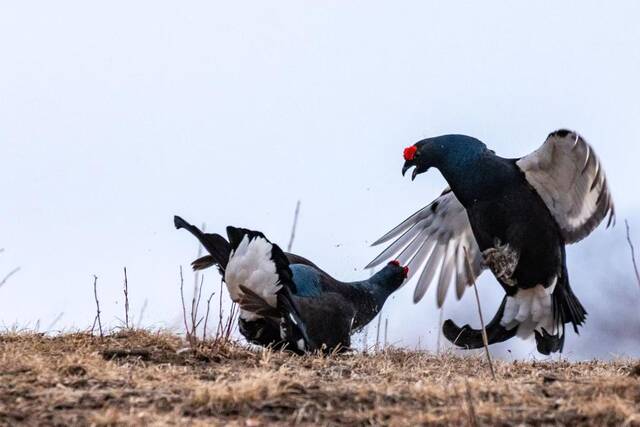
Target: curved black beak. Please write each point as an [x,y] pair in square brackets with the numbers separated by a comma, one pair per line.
[408,165]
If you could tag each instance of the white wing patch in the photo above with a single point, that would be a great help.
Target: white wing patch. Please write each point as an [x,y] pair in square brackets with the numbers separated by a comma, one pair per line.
[567,174]
[529,310]
[250,265]
[432,242]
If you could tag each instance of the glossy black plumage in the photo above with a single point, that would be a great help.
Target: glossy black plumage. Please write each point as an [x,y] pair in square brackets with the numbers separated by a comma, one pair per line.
[289,302]
[512,216]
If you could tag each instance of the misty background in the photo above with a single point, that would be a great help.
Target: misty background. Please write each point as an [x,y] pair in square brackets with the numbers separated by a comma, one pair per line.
[116,116]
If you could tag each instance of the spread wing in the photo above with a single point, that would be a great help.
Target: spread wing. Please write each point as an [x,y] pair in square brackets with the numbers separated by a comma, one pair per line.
[567,174]
[433,242]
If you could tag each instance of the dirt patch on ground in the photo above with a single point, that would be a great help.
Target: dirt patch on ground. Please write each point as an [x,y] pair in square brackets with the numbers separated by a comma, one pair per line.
[142,378]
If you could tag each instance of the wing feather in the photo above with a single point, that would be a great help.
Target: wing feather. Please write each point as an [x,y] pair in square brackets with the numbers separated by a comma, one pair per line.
[446,272]
[399,244]
[567,174]
[429,272]
[431,243]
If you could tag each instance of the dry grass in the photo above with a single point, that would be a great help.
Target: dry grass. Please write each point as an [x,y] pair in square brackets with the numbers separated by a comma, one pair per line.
[143,378]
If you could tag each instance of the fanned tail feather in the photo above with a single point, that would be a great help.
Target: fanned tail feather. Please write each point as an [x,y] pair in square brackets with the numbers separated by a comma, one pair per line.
[566,309]
[217,246]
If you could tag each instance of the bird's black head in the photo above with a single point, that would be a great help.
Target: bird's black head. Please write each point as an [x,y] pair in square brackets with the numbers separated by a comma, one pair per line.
[440,151]
[391,277]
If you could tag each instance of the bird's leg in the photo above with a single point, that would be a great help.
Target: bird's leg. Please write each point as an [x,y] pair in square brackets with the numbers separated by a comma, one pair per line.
[502,260]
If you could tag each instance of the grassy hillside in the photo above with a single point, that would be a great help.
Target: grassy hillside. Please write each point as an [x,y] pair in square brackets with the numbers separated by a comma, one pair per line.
[141,378]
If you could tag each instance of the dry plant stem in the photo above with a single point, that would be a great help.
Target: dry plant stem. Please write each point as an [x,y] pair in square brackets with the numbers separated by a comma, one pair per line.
[8,276]
[485,340]
[95,294]
[440,320]
[365,338]
[231,320]
[219,329]
[197,290]
[633,252]
[184,307]
[195,307]
[386,328]
[377,347]
[294,226]
[126,299]
[206,317]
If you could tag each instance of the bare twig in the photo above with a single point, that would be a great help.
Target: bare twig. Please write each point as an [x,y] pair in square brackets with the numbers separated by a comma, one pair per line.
[440,320]
[219,329]
[231,321]
[378,332]
[184,307]
[485,340]
[126,299]
[365,338]
[95,294]
[8,276]
[206,317]
[633,252]
[195,307]
[197,290]
[386,327]
[293,227]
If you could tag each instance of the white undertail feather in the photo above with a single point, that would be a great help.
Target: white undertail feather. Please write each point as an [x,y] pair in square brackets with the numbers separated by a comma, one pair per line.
[529,310]
[250,265]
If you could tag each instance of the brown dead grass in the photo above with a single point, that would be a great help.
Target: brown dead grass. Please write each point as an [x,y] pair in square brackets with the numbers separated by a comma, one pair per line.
[142,378]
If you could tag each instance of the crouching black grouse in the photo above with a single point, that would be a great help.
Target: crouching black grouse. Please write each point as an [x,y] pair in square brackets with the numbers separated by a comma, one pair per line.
[512,216]
[285,300]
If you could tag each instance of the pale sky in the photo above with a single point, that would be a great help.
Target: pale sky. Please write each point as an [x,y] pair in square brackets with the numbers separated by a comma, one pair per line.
[116,116]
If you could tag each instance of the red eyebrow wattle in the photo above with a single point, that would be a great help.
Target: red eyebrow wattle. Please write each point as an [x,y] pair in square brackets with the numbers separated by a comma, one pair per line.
[410,152]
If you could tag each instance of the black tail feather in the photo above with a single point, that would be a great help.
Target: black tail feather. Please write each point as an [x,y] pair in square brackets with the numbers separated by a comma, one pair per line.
[204,262]
[254,303]
[292,325]
[469,338]
[215,244]
[566,309]
[236,234]
[570,307]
